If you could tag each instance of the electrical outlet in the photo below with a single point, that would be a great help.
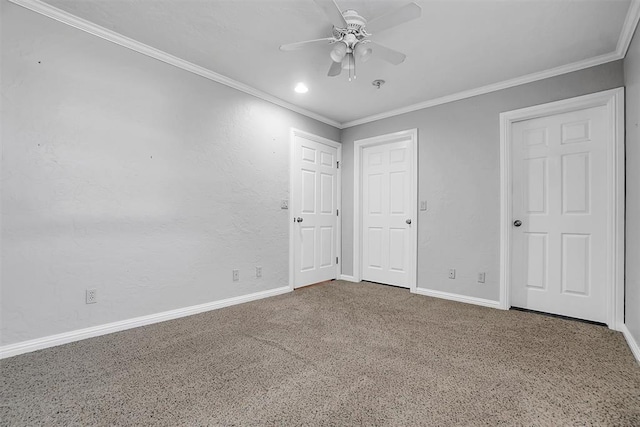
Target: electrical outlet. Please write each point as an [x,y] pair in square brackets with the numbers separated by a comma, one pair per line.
[481,277]
[284,204]
[258,271]
[452,273]
[91,296]
[423,205]
[236,275]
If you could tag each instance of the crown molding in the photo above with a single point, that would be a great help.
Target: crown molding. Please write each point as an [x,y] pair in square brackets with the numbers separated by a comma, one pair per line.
[626,34]
[564,69]
[117,38]
[628,28]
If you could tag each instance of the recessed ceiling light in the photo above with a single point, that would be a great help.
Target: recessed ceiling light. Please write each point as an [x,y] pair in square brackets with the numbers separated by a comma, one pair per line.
[301,88]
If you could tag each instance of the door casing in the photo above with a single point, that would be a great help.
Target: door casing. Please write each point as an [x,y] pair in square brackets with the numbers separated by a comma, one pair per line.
[292,176]
[358,147]
[614,102]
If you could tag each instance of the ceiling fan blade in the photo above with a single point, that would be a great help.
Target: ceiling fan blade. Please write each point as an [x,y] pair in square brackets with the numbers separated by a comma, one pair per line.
[387,54]
[395,17]
[331,9]
[308,43]
[335,70]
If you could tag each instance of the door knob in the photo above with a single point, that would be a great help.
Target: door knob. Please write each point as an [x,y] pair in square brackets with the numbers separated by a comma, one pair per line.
[517,223]
[408,221]
[299,219]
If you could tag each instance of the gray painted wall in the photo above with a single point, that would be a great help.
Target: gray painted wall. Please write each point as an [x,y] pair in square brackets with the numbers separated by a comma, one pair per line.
[632,238]
[125,174]
[149,183]
[459,177]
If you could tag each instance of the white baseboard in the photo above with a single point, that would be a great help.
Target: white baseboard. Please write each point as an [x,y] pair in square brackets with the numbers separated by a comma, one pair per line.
[80,334]
[347,278]
[633,345]
[457,297]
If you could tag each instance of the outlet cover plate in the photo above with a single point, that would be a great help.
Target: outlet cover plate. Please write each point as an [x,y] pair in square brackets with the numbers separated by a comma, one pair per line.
[452,273]
[91,296]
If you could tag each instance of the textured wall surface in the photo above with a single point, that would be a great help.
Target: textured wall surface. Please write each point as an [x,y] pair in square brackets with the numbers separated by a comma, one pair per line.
[459,177]
[632,224]
[127,175]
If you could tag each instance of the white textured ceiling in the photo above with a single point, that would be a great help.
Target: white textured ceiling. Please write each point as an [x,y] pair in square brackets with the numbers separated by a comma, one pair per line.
[455,45]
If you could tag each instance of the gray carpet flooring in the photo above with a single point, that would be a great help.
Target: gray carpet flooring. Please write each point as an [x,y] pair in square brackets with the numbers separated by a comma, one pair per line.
[334,354]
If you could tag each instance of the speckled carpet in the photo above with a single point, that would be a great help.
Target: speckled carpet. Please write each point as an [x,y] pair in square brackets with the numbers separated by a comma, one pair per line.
[334,354]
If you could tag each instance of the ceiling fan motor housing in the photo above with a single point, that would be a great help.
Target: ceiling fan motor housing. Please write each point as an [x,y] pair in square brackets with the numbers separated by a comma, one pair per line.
[354,20]
[355,26]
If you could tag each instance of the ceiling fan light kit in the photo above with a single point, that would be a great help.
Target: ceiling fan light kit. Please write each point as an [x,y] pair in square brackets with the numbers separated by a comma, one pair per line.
[339,52]
[362,52]
[351,38]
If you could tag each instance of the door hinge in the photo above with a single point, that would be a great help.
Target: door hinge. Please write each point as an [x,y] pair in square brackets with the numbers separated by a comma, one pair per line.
[337,212]
[336,260]
[338,165]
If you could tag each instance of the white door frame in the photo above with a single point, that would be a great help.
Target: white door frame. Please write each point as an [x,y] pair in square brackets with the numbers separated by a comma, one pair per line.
[614,101]
[292,177]
[358,148]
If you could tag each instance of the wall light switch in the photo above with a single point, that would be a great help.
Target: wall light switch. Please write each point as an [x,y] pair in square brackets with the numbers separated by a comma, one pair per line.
[423,205]
[284,204]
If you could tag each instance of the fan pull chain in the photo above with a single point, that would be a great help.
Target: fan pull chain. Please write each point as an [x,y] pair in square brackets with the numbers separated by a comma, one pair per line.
[352,58]
[354,68]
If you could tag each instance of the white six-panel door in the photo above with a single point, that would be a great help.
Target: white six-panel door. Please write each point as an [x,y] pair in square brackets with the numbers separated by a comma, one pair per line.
[387,217]
[560,181]
[315,210]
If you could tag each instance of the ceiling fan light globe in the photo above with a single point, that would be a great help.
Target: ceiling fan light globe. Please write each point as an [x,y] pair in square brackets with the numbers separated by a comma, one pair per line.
[338,53]
[362,52]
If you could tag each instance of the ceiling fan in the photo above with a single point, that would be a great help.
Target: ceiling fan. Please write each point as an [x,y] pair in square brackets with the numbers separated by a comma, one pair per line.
[351,34]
